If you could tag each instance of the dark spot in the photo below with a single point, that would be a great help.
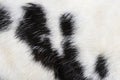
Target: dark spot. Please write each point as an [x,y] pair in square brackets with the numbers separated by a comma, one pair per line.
[34,31]
[70,68]
[101,67]
[4,18]
[67,24]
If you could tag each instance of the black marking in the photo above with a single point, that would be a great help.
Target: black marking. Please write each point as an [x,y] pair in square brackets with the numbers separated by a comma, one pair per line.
[34,31]
[101,67]
[66,23]
[69,68]
[4,18]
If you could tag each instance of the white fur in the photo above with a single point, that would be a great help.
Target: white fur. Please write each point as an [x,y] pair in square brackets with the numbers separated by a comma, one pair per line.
[16,61]
[97,31]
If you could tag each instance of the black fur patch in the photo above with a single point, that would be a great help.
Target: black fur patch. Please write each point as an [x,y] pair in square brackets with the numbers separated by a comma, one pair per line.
[101,67]
[67,24]
[69,68]
[34,31]
[4,19]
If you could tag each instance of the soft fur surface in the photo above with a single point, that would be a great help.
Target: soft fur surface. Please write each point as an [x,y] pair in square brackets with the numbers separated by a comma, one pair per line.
[59,40]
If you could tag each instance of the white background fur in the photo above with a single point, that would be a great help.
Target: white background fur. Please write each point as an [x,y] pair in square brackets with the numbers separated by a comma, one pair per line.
[97,31]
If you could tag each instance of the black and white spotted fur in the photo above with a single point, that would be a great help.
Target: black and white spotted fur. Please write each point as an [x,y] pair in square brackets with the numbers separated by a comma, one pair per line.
[59,40]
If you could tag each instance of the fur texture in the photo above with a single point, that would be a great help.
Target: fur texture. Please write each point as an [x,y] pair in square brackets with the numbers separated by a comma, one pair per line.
[59,40]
